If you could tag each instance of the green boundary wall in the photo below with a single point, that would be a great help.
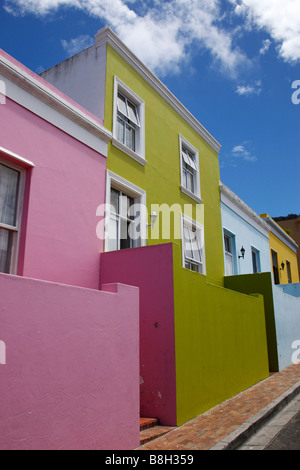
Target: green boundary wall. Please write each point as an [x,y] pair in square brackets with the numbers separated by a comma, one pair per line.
[260,283]
[220,342]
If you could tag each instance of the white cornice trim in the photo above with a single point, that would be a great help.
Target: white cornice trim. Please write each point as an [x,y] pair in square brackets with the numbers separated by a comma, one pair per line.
[280,233]
[107,36]
[230,199]
[40,91]
[17,158]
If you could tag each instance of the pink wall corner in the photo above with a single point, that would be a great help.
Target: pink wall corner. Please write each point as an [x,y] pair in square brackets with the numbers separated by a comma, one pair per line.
[151,269]
[58,241]
[71,378]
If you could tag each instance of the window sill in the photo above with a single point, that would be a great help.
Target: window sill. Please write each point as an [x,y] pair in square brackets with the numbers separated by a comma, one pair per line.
[191,195]
[129,152]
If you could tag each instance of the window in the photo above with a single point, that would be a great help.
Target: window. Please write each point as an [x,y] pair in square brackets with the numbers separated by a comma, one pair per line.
[255,260]
[275,267]
[229,258]
[288,271]
[189,164]
[129,122]
[126,218]
[193,245]
[11,195]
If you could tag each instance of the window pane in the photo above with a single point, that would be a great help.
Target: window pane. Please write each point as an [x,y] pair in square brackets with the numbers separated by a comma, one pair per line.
[189,158]
[288,269]
[6,240]
[254,261]
[125,241]
[133,115]
[9,184]
[113,234]
[190,181]
[194,267]
[130,138]
[228,244]
[187,243]
[122,104]
[120,130]
[275,267]
[197,253]
[114,200]
[130,211]
[192,248]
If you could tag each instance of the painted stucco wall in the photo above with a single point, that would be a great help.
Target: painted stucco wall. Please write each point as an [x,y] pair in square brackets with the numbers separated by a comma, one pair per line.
[58,236]
[71,378]
[221,343]
[260,283]
[160,177]
[199,343]
[282,309]
[284,253]
[151,269]
[287,316]
[82,77]
[246,235]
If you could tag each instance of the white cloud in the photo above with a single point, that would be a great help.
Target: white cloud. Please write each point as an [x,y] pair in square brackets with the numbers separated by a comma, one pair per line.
[161,34]
[254,89]
[77,44]
[281,19]
[265,47]
[240,151]
[164,33]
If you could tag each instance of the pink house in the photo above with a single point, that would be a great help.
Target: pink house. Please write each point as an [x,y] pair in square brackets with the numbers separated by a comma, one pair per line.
[64,364]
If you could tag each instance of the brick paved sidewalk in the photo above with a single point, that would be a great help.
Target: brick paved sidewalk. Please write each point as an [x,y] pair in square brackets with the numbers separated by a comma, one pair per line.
[208,429]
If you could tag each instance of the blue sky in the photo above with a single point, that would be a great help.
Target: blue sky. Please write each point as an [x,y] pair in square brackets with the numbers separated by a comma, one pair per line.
[232,63]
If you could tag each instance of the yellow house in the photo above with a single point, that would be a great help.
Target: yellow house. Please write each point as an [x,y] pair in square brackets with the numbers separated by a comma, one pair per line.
[283,252]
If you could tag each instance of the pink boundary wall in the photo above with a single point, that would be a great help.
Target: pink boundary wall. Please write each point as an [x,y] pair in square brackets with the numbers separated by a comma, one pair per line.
[71,379]
[151,269]
[58,236]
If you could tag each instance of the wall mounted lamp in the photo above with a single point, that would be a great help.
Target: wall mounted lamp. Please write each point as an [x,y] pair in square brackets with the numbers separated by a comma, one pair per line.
[282,266]
[242,255]
[153,217]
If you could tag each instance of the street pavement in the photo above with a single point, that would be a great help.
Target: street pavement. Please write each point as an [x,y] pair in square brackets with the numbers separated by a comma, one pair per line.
[282,432]
[228,425]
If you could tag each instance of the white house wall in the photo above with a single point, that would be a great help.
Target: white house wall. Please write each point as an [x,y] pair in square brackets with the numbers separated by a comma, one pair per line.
[287,319]
[247,235]
[82,78]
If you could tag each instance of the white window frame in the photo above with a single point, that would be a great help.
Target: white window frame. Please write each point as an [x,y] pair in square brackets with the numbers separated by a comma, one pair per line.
[15,229]
[256,251]
[289,271]
[119,183]
[199,228]
[196,195]
[139,153]
[229,254]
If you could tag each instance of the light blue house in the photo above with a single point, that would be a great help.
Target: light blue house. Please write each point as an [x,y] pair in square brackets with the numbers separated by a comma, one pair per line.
[248,269]
[245,235]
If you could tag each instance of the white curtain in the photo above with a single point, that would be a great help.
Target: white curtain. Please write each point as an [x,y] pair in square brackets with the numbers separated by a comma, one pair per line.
[9,182]
[5,249]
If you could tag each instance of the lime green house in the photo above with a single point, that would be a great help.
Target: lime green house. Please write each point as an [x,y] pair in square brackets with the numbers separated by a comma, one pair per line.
[200,343]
